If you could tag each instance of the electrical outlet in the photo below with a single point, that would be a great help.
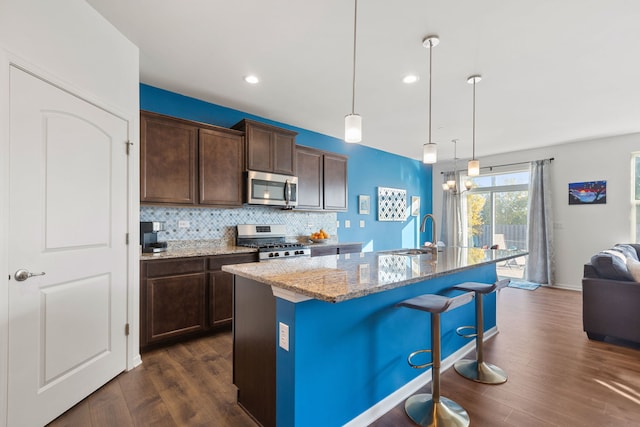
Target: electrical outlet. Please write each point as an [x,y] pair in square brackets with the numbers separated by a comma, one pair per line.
[362,223]
[284,336]
[184,224]
[347,223]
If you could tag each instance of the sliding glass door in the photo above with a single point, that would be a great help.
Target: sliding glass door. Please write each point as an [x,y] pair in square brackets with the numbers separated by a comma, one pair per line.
[496,215]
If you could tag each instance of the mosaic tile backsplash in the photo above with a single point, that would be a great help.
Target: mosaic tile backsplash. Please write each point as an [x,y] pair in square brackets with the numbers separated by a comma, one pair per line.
[220,224]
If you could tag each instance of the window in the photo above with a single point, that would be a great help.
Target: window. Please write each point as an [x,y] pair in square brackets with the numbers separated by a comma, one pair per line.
[496,214]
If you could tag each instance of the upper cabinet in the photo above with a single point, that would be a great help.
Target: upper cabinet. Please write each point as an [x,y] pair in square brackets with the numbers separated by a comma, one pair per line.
[269,148]
[168,150]
[221,157]
[322,180]
[189,163]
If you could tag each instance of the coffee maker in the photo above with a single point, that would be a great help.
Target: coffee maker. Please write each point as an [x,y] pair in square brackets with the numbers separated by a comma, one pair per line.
[149,237]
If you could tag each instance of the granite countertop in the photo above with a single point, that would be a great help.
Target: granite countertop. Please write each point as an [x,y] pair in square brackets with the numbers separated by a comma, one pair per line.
[193,248]
[339,278]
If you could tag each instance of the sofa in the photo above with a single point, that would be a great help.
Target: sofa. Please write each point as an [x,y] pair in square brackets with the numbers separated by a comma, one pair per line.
[611,294]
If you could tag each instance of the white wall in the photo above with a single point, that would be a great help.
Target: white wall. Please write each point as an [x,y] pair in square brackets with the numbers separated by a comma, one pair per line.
[580,231]
[62,41]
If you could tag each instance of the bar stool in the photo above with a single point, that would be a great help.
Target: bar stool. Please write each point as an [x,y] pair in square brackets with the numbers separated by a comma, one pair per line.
[478,370]
[432,409]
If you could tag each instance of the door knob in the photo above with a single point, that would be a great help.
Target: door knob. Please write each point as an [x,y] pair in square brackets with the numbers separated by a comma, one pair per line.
[22,275]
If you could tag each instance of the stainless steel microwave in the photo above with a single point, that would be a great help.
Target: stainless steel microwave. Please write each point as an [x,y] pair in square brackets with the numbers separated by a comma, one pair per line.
[272,189]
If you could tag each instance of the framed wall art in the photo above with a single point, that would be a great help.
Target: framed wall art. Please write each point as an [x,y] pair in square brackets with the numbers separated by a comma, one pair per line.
[588,193]
[364,204]
[392,204]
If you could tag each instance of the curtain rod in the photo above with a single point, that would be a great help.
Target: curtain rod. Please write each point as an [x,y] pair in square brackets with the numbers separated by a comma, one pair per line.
[507,164]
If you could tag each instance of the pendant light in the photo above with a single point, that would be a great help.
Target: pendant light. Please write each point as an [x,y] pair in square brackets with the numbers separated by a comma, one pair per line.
[451,183]
[430,150]
[353,121]
[473,167]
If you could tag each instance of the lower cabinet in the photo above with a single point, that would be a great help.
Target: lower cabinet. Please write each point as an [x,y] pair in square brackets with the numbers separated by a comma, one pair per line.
[221,301]
[175,306]
[185,297]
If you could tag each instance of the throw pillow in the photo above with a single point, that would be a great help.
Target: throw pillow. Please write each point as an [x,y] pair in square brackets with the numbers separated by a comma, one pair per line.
[628,251]
[634,268]
[611,265]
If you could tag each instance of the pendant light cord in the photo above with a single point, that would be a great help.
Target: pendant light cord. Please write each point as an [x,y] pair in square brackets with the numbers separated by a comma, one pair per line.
[430,65]
[473,154]
[353,81]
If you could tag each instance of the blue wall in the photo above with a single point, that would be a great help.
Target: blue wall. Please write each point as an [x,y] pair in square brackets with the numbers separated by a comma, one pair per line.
[344,358]
[368,169]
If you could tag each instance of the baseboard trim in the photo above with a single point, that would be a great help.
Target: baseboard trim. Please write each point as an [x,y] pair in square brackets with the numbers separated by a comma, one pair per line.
[398,396]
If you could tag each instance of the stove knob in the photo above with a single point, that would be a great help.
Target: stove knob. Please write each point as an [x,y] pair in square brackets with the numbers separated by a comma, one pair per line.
[271,255]
[287,253]
[276,254]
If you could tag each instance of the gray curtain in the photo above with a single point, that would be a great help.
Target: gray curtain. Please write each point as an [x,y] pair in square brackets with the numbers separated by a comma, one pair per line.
[540,265]
[451,231]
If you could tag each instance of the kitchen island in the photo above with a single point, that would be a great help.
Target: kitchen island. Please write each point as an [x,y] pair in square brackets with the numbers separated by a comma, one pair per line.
[319,342]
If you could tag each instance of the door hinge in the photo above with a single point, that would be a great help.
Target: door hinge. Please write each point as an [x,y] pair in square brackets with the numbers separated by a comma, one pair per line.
[126,329]
[128,144]
[126,238]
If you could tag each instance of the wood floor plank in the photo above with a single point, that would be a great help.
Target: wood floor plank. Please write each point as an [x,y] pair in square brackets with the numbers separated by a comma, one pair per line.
[109,407]
[557,378]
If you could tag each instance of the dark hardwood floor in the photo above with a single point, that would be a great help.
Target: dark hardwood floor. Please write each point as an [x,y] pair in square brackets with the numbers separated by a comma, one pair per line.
[557,377]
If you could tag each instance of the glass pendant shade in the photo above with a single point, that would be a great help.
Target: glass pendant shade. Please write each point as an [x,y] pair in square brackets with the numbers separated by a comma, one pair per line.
[429,153]
[445,186]
[451,184]
[473,167]
[352,128]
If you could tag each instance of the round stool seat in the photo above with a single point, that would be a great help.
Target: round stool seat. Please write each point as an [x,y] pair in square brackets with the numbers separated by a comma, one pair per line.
[435,303]
[482,288]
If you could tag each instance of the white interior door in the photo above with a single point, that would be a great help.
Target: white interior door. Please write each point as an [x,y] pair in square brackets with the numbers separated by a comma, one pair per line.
[68,213]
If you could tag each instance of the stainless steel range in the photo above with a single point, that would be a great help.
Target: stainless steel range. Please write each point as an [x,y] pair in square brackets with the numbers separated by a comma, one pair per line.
[270,241]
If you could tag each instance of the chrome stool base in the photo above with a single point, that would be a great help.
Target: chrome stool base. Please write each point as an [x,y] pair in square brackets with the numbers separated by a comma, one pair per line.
[425,412]
[485,373]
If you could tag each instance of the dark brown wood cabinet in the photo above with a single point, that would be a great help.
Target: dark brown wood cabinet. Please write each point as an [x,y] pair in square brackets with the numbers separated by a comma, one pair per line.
[221,300]
[189,163]
[168,150]
[172,296]
[221,287]
[221,165]
[268,148]
[185,297]
[309,163]
[322,180]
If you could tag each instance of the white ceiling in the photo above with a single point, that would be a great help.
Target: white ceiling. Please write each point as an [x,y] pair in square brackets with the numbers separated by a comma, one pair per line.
[553,71]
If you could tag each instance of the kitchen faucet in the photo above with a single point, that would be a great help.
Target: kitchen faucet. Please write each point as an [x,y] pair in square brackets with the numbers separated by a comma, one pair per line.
[423,226]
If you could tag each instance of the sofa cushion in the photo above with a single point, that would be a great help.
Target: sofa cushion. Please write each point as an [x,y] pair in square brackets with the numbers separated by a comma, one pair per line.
[634,268]
[611,265]
[627,250]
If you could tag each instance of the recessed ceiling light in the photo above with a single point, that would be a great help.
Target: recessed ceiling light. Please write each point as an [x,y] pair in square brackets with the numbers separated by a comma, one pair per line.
[251,79]
[410,78]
